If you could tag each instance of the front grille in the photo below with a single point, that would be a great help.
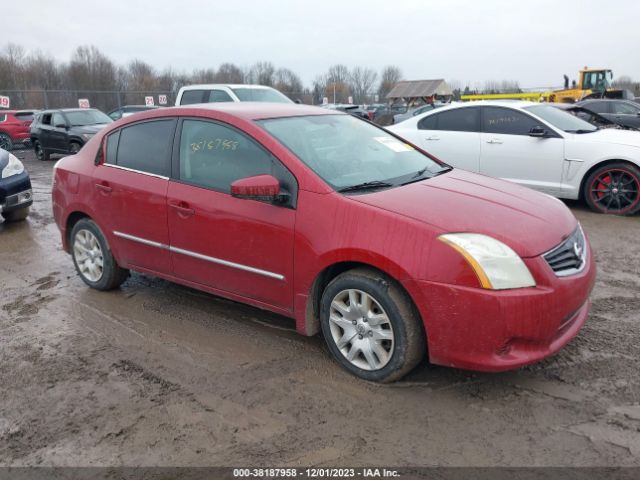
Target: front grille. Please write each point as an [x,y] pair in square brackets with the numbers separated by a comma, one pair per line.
[570,256]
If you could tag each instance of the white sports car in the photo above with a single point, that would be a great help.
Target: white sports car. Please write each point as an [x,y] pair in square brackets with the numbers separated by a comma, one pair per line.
[535,145]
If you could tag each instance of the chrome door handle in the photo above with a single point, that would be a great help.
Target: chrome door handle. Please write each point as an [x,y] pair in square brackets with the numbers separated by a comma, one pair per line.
[494,140]
[104,188]
[433,137]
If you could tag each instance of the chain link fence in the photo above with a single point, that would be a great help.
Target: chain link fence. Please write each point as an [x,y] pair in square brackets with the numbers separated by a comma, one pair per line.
[106,101]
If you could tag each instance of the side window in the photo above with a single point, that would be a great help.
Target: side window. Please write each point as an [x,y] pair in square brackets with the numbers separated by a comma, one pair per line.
[625,108]
[507,121]
[3,117]
[58,119]
[112,147]
[189,97]
[219,96]
[117,115]
[214,155]
[598,107]
[459,120]
[24,116]
[46,119]
[428,123]
[146,146]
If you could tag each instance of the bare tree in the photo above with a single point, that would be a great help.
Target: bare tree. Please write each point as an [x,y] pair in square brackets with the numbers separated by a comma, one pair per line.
[262,73]
[362,81]
[389,77]
[229,73]
[288,83]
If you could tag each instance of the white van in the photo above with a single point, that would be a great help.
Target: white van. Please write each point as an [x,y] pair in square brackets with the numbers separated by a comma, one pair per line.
[229,93]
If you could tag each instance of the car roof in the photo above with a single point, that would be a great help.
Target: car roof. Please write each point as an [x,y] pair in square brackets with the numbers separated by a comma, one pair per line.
[243,110]
[224,85]
[51,110]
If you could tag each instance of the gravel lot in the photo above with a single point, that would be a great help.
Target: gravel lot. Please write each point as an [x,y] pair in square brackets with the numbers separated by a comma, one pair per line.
[159,374]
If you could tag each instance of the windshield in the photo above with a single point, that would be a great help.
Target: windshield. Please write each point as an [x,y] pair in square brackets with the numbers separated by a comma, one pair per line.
[345,151]
[86,117]
[260,95]
[560,119]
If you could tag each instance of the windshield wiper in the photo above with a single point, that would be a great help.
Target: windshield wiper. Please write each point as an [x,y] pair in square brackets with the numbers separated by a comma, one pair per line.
[366,186]
[419,174]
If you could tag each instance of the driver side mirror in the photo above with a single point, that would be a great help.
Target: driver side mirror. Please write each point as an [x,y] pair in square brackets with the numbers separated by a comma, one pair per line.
[538,131]
[265,188]
[61,125]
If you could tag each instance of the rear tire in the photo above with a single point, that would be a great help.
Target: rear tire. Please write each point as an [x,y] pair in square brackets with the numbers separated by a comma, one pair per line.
[92,257]
[16,215]
[74,147]
[371,326]
[5,142]
[614,189]
[41,153]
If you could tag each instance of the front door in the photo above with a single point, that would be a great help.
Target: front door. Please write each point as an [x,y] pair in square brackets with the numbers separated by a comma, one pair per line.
[58,136]
[243,247]
[508,152]
[130,191]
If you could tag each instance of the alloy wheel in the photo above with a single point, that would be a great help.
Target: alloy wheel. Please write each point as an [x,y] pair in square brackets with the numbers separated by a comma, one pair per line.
[39,151]
[361,329]
[88,255]
[615,191]
[5,142]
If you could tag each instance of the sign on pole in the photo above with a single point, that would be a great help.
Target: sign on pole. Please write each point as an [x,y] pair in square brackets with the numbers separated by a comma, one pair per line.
[325,100]
[83,103]
[4,102]
[350,100]
[148,101]
[162,99]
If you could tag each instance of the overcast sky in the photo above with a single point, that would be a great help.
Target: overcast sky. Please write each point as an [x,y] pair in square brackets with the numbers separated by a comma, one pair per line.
[534,42]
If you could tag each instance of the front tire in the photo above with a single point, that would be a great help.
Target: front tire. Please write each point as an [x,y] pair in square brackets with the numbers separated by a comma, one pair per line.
[92,257]
[16,215]
[370,326]
[613,189]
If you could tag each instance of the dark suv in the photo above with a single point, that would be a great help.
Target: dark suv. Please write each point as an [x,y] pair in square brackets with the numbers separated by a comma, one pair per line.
[65,130]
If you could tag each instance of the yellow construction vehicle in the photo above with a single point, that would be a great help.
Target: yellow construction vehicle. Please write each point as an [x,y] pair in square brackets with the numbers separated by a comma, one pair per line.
[593,82]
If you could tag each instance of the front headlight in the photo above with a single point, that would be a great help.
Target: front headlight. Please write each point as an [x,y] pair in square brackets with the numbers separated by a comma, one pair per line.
[497,266]
[14,167]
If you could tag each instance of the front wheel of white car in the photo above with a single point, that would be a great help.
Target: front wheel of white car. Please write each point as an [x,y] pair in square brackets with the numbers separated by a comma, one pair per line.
[370,326]
[613,188]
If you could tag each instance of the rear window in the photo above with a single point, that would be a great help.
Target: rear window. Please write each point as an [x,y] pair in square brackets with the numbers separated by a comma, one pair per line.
[24,116]
[260,95]
[189,97]
[146,147]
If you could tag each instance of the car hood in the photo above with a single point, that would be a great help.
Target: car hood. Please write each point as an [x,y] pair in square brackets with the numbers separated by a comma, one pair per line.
[529,222]
[611,135]
[90,129]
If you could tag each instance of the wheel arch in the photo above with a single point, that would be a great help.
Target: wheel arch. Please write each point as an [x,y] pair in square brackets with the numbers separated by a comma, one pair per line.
[73,218]
[326,275]
[598,165]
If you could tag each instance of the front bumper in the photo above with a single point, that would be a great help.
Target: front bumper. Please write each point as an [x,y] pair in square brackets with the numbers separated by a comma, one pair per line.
[15,192]
[496,330]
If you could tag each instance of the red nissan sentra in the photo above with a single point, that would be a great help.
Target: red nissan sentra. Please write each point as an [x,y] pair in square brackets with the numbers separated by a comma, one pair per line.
[332,221]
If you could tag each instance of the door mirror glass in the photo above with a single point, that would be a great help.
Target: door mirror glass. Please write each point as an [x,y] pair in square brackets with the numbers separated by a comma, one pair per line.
[258,187]
[537,131]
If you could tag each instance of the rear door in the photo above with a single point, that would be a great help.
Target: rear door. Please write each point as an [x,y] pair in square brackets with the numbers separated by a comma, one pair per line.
[130,188]
[243,247]
[453,136]
[508,152]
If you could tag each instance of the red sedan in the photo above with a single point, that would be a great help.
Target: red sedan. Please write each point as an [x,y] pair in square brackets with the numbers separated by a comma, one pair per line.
[335,222]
